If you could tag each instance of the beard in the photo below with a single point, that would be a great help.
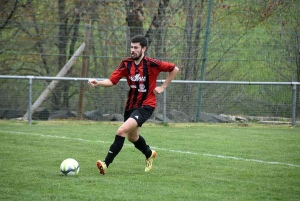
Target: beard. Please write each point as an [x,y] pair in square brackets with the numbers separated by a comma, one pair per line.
[136,56]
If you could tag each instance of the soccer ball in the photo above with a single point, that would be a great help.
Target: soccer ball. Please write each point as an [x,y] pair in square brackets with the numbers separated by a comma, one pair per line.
[69,167]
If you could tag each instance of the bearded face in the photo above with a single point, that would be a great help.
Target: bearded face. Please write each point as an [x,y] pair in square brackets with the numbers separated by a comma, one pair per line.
[136,55]
[137,52]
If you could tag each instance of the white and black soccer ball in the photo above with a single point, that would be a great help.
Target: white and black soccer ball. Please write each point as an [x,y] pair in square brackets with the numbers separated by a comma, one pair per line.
[69,167]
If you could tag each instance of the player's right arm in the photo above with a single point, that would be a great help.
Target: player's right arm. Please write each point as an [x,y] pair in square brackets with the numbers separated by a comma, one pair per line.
[114,77]
[102,83]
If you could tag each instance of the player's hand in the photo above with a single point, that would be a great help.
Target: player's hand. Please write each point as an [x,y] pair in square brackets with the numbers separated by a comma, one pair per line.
[92,82]
[158,90]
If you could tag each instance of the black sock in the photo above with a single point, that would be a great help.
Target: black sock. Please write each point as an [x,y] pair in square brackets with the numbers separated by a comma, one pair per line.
[114,149]
[141,145]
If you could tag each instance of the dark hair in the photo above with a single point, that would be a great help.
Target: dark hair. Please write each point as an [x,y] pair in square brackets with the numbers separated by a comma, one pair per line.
[140,39]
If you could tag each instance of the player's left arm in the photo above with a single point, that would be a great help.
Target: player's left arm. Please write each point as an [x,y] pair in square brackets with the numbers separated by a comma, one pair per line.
[170,77]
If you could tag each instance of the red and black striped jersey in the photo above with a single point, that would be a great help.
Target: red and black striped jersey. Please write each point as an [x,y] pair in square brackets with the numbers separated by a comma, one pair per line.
[141,79]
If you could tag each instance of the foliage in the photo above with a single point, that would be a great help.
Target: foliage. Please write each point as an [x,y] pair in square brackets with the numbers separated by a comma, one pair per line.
[248,40]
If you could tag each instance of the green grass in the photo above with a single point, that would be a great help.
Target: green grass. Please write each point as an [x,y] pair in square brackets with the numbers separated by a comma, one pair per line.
[194,162]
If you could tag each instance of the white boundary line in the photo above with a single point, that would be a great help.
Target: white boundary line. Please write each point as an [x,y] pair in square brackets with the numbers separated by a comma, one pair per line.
[157,148]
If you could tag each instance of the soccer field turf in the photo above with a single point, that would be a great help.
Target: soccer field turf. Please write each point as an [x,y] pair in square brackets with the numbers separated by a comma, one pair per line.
[194,162]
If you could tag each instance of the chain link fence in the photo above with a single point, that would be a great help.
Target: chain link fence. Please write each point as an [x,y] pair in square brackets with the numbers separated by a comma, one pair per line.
[226,41]
[183,101]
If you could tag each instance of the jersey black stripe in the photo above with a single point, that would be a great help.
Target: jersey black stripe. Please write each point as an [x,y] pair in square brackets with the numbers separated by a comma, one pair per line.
[129,66]
[146,83]
[136,92]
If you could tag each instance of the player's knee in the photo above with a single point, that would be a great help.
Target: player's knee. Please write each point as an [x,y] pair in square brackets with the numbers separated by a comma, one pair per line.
[131,139]
[122,131]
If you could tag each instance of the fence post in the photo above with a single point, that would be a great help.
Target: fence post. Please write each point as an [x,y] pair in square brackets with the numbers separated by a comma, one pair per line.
[165,106]
[204,53]
[294,105]
[30,100]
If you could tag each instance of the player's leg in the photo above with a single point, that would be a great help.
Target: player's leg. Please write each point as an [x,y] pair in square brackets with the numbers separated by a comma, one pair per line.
[128,126]
[139,142]
[141,115]
[116,146]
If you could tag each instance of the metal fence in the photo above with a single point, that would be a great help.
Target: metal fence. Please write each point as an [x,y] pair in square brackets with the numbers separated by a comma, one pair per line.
[190,98]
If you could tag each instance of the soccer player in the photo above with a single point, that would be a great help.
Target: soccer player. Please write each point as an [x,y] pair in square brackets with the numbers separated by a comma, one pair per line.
[141,73]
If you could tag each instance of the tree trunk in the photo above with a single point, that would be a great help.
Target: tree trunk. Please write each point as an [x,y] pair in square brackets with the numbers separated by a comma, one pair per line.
[134,19]
[85,63]
[188,31]
[157,26]
[57,96]
[7,15]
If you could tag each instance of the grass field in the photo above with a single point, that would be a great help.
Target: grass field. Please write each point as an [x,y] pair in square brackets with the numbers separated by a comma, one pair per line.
[194,162]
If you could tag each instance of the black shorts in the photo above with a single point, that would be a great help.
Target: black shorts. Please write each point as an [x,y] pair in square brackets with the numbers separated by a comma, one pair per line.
[141,114]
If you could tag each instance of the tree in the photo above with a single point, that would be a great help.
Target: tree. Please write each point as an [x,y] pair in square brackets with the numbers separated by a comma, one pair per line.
[249,41]
[290,35]
[193,27]
[7,11]
[135,16]
[69,20]
[158,28]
